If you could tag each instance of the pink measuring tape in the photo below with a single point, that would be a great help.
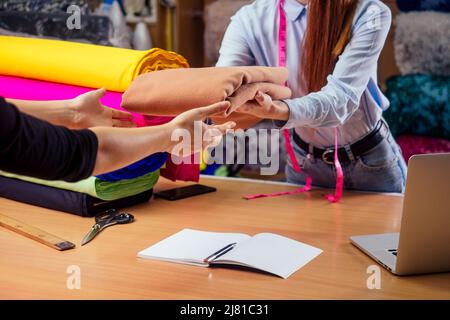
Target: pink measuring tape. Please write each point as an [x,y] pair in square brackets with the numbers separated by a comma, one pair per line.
[282,57]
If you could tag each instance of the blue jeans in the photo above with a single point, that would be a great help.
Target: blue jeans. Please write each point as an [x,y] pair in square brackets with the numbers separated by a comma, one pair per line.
[381,169]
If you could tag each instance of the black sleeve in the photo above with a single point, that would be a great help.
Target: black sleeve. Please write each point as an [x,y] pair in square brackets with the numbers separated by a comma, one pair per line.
[35,148]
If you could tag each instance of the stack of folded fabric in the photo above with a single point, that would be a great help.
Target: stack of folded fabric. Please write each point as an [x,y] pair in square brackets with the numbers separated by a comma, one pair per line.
[38,69]
[419,115]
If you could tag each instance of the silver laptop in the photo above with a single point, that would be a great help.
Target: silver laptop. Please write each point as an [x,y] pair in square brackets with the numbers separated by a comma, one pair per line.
[423,244]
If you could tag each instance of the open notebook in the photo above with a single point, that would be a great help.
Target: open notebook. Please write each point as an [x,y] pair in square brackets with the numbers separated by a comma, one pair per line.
[265,251]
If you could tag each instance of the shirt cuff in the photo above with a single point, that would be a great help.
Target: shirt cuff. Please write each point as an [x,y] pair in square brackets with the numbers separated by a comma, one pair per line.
[296,115]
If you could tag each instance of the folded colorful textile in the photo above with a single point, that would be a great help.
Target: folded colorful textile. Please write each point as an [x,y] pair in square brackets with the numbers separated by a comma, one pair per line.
[97,188]
[64,200]
[135,170]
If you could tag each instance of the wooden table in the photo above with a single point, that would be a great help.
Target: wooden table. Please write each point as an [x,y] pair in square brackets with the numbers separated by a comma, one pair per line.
[110,269]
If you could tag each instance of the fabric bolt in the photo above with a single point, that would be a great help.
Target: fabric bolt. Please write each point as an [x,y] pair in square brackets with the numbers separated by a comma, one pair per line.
[63,200]
[424,5]
[88,72]
[420,105]
[29,89]
[81,64]
[140,168]
[152,93]
[422,43]
[414,144]
[93,29]
[97,188]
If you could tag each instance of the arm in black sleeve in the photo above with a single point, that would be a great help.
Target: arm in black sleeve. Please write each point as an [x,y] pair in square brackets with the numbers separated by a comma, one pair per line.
[35,148]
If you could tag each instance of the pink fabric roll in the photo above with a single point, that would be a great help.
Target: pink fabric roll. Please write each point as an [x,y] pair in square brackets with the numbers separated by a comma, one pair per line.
[28,89]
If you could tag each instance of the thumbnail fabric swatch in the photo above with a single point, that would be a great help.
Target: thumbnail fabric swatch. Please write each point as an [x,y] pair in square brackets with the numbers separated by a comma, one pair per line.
[77,203]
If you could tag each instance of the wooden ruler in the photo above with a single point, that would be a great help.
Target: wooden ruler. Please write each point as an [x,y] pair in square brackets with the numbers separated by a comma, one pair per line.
[35,233]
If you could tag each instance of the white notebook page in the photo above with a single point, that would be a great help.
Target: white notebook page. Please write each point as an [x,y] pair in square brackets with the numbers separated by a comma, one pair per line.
[271,253]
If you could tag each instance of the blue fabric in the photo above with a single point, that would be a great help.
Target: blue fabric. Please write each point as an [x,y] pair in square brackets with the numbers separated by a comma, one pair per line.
[350,100]
[424,5]
[140,168]
[419,105]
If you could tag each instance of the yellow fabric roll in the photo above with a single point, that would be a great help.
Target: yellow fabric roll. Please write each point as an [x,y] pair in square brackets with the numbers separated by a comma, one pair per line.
[81,64]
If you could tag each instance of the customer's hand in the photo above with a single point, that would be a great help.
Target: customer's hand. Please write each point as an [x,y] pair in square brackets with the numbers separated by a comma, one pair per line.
[265,108]
[189,134]
[89,112]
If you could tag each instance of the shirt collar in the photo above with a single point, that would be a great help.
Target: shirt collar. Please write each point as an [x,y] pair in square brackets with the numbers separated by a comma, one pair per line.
[293,9]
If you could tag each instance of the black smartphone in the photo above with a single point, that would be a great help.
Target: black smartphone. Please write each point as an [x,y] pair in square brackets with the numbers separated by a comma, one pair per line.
[184,192]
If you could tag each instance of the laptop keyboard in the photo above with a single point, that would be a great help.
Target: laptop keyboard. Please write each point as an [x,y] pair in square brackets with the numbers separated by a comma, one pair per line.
[393,251]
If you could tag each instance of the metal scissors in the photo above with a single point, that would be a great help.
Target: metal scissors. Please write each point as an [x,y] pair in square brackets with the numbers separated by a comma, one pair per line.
[107,219]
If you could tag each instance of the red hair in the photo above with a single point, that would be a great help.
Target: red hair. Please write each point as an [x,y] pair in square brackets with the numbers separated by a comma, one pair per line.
[327,34]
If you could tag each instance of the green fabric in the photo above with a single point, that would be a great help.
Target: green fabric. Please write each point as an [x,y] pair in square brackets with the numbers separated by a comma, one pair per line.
[97,188]
[222,171]
[125,188]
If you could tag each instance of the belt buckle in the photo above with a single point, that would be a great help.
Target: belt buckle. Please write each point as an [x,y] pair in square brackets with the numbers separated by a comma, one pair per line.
[325,156]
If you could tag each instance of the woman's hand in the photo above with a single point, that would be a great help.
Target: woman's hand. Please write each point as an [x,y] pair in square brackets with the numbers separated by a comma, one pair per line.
[89,112]
[194,133]
[84,111]
[263,107]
